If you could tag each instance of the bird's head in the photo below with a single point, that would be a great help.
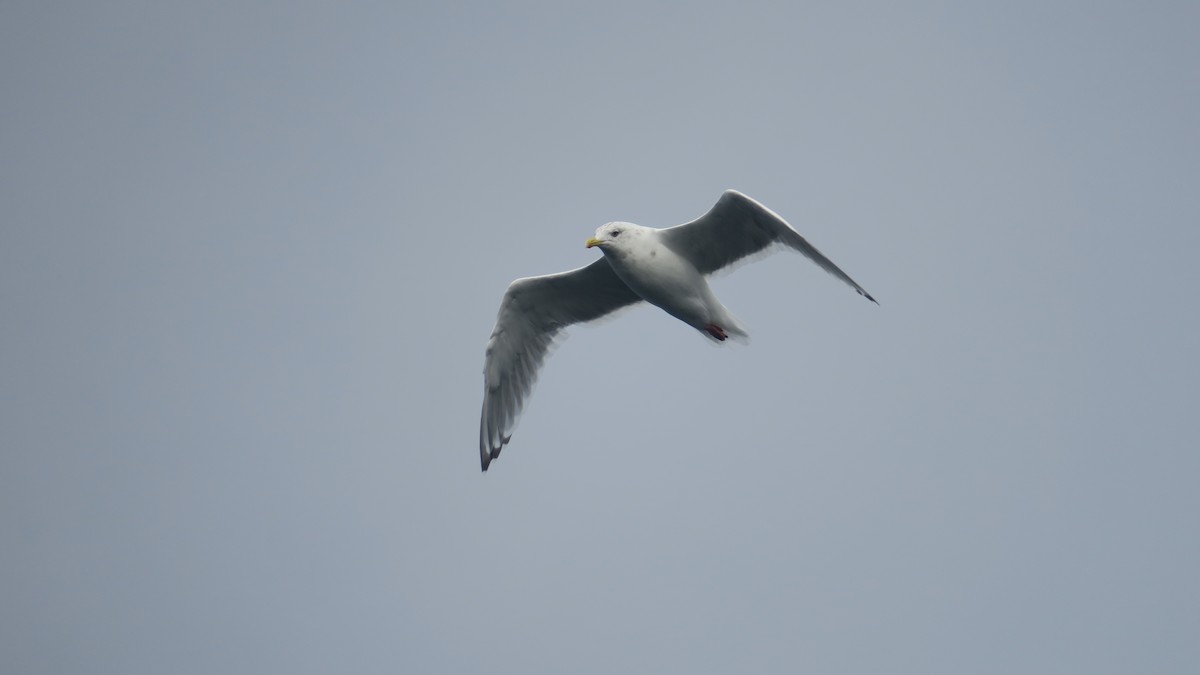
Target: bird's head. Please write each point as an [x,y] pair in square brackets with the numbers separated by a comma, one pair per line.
[608,236]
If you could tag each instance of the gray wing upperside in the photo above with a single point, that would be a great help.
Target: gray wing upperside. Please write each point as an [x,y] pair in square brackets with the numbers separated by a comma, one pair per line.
[736,227]
[534,310]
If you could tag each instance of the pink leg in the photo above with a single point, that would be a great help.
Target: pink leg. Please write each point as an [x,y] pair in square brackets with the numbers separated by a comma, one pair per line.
[716,331]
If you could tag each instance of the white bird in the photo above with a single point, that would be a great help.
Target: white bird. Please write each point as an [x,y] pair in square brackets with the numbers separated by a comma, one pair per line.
[665,267]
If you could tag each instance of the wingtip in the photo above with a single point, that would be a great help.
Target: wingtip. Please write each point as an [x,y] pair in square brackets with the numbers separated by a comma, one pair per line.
[488,453]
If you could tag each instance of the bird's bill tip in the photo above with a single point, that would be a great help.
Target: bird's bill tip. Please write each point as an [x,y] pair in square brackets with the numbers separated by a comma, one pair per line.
[592,242]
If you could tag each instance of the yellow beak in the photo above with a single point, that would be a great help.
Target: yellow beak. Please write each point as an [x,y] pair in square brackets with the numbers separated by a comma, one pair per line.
[592,242]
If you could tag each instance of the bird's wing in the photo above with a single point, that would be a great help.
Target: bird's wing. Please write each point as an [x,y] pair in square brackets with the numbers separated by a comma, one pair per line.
[533,311]
[738,226]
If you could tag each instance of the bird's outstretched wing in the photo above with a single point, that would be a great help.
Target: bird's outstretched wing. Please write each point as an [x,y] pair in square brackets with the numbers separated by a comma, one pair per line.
[738,226]
[533,311]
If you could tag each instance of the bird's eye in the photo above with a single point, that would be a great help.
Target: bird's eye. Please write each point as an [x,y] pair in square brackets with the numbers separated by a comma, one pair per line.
[616,233]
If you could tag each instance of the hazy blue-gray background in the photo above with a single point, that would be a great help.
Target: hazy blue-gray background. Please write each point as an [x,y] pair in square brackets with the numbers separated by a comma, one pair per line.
[251,252]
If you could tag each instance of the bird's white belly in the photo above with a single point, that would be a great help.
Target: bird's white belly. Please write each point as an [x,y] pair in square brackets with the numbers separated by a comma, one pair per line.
[667,280]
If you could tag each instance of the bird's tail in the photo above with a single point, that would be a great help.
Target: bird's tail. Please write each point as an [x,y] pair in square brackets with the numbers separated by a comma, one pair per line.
[726,327]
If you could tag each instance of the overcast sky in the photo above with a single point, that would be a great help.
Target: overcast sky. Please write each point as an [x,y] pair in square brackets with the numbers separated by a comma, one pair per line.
[250,255]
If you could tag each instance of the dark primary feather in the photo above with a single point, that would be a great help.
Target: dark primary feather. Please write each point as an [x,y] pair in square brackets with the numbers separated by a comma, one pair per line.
[532,313]
[738,226]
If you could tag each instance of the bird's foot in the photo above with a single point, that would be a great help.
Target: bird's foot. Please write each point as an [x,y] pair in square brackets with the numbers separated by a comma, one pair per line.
[716,331]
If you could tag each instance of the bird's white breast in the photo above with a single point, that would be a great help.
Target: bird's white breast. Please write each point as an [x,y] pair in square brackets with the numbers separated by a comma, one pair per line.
[661,276]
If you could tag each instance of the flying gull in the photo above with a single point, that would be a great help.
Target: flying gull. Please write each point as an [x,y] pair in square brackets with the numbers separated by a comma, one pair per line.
[665,267]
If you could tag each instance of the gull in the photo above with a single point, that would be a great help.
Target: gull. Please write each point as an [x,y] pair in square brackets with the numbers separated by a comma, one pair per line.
[664,267]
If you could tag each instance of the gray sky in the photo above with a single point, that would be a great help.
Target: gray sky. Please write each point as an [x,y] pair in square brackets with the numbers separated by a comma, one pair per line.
[250,255]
